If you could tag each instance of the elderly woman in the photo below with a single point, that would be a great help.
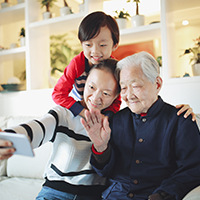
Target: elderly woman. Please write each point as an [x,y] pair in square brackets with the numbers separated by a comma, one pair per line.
[153,153]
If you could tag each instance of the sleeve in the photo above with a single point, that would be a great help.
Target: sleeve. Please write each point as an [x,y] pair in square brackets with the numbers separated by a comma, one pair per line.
[64,85]
[103,163]
[187,151]
[39,131]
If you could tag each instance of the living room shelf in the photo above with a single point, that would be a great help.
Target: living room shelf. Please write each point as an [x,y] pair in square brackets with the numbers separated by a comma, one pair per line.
[12,13]
[59,24]
[140,34]
[13,51]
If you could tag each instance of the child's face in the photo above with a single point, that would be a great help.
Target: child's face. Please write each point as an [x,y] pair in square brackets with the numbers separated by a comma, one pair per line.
[100,89]
[99,48]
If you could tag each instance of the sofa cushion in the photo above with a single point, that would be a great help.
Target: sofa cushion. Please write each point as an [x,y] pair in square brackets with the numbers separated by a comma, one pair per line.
[29,167]
[3,164]
[20,188]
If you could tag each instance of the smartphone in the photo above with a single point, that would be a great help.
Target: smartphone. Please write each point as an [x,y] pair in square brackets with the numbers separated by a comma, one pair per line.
[20,143]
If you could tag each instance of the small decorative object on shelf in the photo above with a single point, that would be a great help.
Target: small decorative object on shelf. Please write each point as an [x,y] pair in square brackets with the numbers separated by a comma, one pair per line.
[13,45]
[47,4]
[20,1]
[65,10]
[13,84]
[137,20]
[82,7]
[5,4]
[122,17]
[22,37]
[195,59]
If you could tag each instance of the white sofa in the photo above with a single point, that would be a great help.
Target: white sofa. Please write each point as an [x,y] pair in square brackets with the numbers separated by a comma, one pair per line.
[21,177]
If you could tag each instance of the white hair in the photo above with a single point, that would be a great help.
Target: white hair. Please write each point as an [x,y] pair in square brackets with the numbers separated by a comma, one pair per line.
[144,60]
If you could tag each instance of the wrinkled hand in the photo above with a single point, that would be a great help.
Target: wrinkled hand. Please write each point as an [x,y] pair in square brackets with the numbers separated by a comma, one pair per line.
[97,128]
[161,196]
[186,107]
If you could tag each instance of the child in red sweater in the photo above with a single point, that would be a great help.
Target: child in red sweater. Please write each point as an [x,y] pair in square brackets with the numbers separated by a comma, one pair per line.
[99,37]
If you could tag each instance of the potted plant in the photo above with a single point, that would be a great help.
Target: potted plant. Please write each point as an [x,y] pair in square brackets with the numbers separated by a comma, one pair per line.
[137,20]
[61,53]
[22,37]
[65,10]
[122,17]
[5,4]
[195,59]
[47,4]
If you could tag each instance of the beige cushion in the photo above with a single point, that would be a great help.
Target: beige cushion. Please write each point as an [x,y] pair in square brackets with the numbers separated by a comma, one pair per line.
[29,167]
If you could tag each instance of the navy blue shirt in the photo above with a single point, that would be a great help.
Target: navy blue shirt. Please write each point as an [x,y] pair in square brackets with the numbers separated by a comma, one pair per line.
[156,152]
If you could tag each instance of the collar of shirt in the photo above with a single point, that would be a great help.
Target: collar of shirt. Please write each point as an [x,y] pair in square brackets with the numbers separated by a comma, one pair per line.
[154,109]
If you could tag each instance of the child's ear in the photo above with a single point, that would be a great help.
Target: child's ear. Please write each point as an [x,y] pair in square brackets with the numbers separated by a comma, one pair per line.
[115,47]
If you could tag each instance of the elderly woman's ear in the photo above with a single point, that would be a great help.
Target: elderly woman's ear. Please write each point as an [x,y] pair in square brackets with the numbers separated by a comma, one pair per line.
[159,82]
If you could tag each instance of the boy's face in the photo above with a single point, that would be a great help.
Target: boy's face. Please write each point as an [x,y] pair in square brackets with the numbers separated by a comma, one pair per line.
[100,47]
[100,89]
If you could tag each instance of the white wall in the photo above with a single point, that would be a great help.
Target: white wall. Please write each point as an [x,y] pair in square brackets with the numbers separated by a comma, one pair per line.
[29,103]
[183,93]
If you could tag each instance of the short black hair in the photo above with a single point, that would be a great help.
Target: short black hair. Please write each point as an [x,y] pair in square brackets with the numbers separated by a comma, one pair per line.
[92,23]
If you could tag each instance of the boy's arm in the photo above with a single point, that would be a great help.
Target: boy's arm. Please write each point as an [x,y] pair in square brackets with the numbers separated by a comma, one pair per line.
[114,107]
[64,85]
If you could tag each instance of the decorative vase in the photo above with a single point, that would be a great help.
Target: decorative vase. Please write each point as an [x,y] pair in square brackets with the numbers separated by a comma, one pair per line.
[4,5]
[46,15]
[22,41]
[122,23]
[81,7]
[196,69]
[65,11]
[20,1]
[137,20]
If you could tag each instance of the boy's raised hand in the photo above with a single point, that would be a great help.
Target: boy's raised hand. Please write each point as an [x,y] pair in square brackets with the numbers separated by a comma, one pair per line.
[97,128]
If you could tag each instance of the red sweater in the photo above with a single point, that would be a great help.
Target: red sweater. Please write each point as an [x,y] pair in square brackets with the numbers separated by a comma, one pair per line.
[75,74]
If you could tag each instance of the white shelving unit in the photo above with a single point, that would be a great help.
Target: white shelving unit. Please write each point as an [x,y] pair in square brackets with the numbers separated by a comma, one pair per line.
[37,53]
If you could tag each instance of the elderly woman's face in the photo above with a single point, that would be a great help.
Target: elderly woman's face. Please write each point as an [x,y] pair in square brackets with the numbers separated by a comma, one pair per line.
[136,90]
[100,89]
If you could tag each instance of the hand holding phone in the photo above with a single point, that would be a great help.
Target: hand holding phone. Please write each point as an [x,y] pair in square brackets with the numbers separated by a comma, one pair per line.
[19,142]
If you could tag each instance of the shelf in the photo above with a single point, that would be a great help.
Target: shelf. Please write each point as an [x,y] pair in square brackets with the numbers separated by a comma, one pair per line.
[12,13]
[141,33]
[60,24]
[185,80]
[13,51]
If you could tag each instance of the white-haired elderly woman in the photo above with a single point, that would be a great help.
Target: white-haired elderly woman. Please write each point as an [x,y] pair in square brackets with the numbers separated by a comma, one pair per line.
[147,152]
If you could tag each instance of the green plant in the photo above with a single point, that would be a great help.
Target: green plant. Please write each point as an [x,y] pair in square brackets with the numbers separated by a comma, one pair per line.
[195,51]
[61,52]
[137,5]
[122,14]
[22,32]
[65,3]
[47,4]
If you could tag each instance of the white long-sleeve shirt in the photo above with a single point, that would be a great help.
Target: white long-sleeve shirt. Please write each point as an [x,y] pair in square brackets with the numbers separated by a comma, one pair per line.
[69,168]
